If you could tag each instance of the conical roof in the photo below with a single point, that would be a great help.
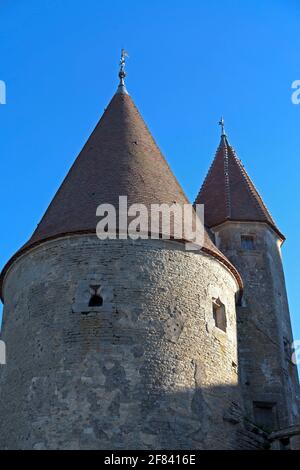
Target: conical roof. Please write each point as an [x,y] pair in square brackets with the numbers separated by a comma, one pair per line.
[120,158]
[228,192]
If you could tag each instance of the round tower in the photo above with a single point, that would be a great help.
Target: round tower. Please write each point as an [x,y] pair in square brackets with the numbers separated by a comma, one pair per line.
[118,344]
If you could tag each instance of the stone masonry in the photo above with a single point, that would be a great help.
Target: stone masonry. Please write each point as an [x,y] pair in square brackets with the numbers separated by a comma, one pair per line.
[123,344]
[148,369]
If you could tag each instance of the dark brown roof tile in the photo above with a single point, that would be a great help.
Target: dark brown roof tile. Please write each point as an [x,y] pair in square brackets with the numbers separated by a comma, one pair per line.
[228,192]
[119,158]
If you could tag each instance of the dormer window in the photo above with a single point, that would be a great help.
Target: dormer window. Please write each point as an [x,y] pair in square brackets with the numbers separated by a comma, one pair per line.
[219,314]
[247,242]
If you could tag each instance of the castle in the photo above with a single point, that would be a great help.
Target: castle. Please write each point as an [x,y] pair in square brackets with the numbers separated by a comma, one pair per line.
[141,344]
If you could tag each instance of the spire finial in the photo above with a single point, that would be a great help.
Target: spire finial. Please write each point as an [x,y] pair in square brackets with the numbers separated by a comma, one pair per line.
[122,73]
[221,123]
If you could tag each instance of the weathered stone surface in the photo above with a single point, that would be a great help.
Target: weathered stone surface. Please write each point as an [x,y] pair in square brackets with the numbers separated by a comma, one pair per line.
[140,371]
[267,373]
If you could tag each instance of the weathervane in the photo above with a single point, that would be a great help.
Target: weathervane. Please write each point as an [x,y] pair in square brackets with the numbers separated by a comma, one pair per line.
[221,123]
[122,73]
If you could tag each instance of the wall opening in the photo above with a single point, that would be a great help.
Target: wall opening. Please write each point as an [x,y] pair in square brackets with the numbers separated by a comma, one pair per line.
[265,415]
[288,350]
[219,314]
[284,443]
[247,242]
[96,299]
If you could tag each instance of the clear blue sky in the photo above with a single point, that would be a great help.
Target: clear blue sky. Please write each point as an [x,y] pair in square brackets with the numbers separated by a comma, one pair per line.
[190,61]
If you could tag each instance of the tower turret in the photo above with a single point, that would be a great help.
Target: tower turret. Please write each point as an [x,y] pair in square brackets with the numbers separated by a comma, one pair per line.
[247,234]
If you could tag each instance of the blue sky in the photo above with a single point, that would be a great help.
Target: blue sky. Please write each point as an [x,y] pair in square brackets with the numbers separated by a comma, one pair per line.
[189,63]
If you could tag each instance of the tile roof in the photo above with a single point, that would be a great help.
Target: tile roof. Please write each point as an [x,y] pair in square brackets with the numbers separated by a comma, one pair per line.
[119,158]
[228,192]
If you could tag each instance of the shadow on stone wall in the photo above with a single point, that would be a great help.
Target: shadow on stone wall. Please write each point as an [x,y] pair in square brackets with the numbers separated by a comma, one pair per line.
[198,418]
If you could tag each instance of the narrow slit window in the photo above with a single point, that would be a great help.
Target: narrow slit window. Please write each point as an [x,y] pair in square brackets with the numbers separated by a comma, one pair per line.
[219,314]
[96,299]
[247,242]
[288,350]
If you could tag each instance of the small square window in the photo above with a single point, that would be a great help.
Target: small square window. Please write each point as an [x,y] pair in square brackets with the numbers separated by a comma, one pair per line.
[219,314]
[247,242]
[265,415]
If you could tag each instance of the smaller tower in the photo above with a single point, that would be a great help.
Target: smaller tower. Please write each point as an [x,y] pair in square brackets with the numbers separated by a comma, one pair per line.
[246,233]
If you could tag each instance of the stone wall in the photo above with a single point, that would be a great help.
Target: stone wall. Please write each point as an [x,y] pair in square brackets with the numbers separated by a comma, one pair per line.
[147,369]
[264,330]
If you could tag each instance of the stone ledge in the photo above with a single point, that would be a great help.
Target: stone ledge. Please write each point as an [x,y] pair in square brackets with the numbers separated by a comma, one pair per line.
[287,432]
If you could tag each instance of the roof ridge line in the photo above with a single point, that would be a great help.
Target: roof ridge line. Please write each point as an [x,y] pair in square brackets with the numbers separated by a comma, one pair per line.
[252,189]
[227,180]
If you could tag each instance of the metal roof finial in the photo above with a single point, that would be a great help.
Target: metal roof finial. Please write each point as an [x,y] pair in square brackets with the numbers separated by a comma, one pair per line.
[221,123]
[122,73]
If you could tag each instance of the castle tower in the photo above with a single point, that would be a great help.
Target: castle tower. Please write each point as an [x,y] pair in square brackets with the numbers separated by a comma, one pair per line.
[245,231]
[117,343]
